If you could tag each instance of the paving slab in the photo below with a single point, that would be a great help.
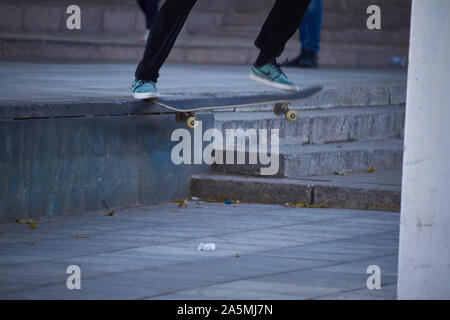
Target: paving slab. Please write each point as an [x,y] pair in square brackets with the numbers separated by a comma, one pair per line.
[262,252]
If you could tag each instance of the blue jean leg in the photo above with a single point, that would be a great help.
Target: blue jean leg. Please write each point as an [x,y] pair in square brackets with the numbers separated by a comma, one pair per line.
[311,26]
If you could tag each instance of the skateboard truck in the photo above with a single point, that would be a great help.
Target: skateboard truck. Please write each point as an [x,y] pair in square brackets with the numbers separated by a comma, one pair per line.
[185,109]
[283,108]
[188,118]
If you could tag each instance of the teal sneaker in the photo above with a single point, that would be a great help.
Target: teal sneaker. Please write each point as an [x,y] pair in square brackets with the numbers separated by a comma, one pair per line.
[272,75]
[144,89]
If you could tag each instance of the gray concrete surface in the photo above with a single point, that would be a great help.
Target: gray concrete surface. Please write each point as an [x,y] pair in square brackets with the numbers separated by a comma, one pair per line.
[380,190]
[324,159]
[71,93]
[262,252]
[214,32]
[63,166]
[323,125]
[65,81]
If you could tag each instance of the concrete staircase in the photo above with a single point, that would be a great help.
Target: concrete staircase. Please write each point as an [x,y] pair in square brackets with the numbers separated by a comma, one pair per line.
[216,31]
[346,41]
[334,156]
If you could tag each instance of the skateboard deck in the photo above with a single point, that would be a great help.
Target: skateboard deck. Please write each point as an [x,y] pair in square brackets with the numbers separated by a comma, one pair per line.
[186,108]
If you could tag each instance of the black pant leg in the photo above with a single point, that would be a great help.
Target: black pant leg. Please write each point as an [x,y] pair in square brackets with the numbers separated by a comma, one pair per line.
[165,29]
[280,26]
[150,9]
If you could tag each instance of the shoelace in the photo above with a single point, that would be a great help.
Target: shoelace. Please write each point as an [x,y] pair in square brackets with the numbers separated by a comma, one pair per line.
[136,83]
[278,66]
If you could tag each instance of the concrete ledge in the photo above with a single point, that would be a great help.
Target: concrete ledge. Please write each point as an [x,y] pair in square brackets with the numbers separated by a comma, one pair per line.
[249,189]
[378,191]
[64,166]
[382,198]
[20,110]
[125,105]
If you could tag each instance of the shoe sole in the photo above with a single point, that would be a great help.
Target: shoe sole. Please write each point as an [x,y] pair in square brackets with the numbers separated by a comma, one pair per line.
[145,95]
[273,83]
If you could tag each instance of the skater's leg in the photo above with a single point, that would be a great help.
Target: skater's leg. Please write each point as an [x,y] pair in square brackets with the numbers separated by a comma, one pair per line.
[165,29]
[280,26]
[150,9]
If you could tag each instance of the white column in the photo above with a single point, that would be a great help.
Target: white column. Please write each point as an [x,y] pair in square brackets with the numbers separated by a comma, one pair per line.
[424,262]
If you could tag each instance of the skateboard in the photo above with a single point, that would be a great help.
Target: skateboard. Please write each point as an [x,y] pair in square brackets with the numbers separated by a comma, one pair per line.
[185,109]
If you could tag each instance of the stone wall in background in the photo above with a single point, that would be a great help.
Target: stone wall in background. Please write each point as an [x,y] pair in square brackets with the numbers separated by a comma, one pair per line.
[216,31]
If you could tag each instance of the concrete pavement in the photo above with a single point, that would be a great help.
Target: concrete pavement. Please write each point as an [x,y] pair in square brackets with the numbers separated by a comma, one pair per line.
[262,252]
[68,81]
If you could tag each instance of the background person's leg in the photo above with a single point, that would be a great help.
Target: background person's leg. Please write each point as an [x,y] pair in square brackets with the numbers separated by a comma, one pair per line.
[309,32]
[165,29]
[311,27]
[280,26]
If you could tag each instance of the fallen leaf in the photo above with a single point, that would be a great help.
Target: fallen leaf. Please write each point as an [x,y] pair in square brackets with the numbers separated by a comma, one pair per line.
[81,236]
[25,221]
[300,204]
[370,170]
[110,214]
[30,222]
[317,206]
[237,255]
[181,202]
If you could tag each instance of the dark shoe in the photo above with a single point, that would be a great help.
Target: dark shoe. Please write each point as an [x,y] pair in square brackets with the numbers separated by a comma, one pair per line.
[307,59]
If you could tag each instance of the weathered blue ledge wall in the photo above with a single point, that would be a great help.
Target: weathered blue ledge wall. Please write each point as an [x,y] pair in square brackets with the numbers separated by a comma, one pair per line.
[67,165]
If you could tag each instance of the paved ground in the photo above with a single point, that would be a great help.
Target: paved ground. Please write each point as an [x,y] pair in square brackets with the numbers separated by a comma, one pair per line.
[66,80]
[262,252]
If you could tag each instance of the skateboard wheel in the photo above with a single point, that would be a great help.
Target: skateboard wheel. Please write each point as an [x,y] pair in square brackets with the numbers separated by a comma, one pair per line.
[180,117]
[292,115]
[191,122]
[278,109]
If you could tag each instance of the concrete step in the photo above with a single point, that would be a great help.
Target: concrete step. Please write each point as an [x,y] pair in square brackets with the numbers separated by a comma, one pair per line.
[338,14]
[380,190]
[346,40]
[110,17]
[398,37]
[311,160]
[188,49]
[83,46]
[323,125]
[235,50]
